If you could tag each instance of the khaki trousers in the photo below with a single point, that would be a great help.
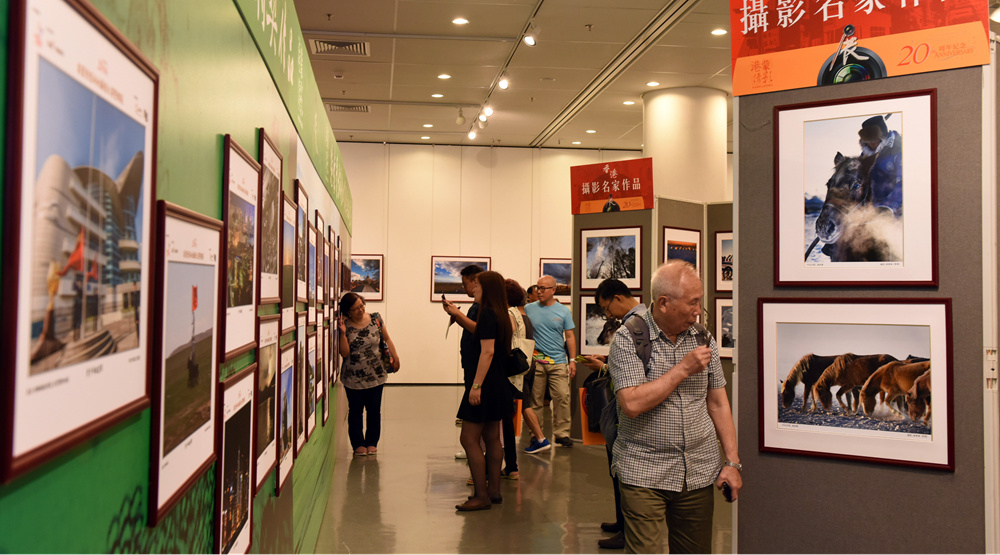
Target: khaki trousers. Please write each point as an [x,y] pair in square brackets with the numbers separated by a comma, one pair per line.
[688,515]
[556,378]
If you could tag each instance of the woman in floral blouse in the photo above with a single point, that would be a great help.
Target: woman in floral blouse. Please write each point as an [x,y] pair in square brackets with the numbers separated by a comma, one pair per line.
[363,372]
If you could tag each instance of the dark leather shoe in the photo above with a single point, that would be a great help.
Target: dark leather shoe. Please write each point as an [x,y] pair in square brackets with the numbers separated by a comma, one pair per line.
[614,542]
[612,527]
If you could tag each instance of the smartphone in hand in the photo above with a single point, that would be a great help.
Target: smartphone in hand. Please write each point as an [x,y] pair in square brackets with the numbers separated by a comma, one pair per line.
[727,492]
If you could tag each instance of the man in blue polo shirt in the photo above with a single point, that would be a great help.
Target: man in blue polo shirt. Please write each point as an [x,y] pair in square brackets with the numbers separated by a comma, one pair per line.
[554,339]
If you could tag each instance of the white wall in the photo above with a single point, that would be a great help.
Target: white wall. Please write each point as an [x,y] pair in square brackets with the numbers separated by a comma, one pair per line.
[412,202]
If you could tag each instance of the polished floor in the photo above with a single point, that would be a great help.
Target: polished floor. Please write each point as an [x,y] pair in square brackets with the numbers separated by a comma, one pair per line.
[402,500]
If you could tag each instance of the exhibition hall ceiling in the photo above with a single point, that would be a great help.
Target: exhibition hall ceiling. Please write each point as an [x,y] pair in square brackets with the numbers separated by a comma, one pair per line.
[377,64]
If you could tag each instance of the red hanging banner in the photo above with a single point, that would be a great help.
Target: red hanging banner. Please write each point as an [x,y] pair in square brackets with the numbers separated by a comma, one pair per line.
[790,44]
[612,186]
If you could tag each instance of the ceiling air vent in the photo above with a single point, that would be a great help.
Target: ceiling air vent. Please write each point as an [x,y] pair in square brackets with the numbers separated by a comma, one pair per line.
[321,47]
[356,108]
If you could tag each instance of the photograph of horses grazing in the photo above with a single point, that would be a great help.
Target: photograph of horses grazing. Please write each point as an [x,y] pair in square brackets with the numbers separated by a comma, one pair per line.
[890,383]
[806,371]
[918,398]
[849,372]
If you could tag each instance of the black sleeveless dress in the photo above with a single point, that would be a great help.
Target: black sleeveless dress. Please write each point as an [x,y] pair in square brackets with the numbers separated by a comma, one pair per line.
[496,397]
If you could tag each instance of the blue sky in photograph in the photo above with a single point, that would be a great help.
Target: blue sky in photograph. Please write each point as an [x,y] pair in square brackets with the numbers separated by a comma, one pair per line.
[365,268]
[450,271]
[181,277]
[561,271]
[727,248]
[83,128]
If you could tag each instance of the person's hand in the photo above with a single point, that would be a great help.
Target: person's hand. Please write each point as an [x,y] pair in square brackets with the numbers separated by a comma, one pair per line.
[450,308]
[341,326]
[697,360]
[572,369]
[595,362]
[732,477]
[475,396]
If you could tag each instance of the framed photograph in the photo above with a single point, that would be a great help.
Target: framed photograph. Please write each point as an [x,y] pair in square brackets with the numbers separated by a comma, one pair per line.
[724,261]
[682,244]
[366,276]
[325,368]
[288,276]
[320,246]
[286,418]
[725,336]
[301,227]
[851,379]
[78,231]
[331,282]
[271,207]
[311,384]
[233,486]
[265,406]
[839,198]
[311,268]
[185,362]
[240,206]
[327,276]
[300,382]
[561,269]
[611,253]
[446,276]
[598,329]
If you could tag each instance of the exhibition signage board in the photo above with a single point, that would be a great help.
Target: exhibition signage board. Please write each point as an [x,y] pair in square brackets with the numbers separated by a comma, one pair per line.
[612,186]
[787,45]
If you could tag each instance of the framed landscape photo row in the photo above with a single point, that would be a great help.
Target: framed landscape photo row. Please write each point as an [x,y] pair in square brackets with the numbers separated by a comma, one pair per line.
[185,358]
[851,379]
[842,214]
[78,246]
[446,276]
[611,253]
[561,269]
[367,276]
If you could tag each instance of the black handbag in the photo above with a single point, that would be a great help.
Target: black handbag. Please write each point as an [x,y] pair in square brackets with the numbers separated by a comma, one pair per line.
[517,363]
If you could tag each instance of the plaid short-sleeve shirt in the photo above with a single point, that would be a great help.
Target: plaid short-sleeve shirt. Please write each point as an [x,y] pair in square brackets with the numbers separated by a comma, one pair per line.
[675,442]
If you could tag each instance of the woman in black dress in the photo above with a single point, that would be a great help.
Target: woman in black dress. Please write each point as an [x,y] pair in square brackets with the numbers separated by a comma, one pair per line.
[487,396]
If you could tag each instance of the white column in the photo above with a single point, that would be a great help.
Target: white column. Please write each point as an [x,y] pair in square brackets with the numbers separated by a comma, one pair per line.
[684,131]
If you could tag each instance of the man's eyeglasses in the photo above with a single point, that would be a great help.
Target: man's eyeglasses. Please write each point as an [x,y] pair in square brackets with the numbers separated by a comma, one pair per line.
[543,287]
[605,308]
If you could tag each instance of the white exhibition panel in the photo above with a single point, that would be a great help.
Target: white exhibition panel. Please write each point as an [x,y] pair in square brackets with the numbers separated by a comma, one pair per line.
[412,202]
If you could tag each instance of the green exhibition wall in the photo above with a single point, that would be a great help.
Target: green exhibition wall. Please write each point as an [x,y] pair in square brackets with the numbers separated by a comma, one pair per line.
[213,81]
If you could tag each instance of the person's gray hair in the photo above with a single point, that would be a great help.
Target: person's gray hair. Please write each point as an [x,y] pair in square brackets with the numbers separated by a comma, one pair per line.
[668,277]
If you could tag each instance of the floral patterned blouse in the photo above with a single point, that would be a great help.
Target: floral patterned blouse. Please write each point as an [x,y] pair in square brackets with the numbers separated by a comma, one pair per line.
[363,368]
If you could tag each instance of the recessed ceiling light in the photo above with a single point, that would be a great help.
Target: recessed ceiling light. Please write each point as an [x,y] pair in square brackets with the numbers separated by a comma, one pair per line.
[628,102]
[444,76]
[428,125]
[591,131]
[437,95]
[652,84]
[576,142]
[459,21]
[719,32]
[425,137]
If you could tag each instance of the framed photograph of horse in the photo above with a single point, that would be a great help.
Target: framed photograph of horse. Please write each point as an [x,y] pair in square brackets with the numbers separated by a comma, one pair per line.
[598,328]
[851,379]
[724,270]
[839,199]
[611,253]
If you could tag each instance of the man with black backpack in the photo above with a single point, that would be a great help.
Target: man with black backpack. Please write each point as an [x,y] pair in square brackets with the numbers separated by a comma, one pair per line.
[616,301]
[673,412]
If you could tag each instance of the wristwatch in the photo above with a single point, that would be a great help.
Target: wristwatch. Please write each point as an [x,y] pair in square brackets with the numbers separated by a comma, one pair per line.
[476,386]
[737,466]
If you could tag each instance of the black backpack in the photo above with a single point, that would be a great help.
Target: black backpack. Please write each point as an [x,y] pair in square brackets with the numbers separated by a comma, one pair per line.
[608,422]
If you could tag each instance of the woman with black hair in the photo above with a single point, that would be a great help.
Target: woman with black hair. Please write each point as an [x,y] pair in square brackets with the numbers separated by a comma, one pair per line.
[487,393]
[363,373]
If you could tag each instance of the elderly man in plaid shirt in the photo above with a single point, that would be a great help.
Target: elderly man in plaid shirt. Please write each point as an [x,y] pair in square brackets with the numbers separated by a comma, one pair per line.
[672,417]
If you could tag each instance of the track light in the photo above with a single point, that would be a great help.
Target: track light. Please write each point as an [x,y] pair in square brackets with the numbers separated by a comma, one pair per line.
[472,134]
[461,117]
[531,37]
[504,82]
[482,123]
[482,117]
[488,111]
